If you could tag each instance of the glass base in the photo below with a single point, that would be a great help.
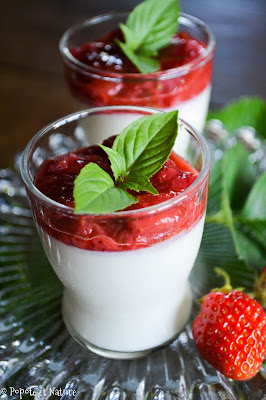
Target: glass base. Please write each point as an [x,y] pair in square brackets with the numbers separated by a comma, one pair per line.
[118,355]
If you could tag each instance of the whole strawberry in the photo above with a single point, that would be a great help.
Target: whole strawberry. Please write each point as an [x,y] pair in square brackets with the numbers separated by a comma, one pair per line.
[230,332]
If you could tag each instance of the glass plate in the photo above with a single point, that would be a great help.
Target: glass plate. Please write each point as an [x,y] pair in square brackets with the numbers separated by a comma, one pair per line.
[39,355]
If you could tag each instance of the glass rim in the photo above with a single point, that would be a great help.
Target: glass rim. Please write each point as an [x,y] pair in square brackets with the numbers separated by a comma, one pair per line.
[116,76]
[203,174]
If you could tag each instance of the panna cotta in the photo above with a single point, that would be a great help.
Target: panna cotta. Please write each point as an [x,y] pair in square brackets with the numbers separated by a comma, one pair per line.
[99,74]
[110,294]
[127,269]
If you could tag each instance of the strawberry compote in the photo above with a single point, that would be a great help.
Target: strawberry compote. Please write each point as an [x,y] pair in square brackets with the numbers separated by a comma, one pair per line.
[55,179]
[106,56]
[99,74]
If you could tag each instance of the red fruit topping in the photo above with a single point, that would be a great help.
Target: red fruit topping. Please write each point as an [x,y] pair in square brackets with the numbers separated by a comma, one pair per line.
[106,57]
[55,178]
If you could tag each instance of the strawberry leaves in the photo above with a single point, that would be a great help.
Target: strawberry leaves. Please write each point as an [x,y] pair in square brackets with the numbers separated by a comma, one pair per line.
[255,205]
[235,229]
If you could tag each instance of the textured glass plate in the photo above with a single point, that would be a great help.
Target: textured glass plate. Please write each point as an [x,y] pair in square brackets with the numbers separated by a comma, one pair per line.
[37,352]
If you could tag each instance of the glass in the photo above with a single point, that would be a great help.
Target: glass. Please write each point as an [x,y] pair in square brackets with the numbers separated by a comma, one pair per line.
[186,88]
[109,295]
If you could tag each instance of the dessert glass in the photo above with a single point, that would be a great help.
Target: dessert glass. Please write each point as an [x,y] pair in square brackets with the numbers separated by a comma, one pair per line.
[186,88]
[123,303]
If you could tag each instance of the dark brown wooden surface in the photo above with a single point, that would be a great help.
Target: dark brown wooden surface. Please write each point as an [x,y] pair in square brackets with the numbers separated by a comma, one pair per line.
[32,90]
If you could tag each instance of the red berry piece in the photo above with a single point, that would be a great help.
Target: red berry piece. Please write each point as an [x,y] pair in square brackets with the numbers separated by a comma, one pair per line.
[230,332]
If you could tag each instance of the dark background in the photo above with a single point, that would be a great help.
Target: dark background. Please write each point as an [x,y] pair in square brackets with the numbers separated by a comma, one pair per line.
[32,90]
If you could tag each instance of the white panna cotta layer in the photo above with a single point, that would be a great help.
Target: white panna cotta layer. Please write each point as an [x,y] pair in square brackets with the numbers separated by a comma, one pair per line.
[126,301]
[193,111]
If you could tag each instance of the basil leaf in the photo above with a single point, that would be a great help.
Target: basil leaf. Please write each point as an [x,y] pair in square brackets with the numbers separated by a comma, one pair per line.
[139,184]
[137,153]
[95,192]
[255,206]
[149,27]
[153,23]
[117,161]
[147,143]
[128,35]
[144,63]
[248,111]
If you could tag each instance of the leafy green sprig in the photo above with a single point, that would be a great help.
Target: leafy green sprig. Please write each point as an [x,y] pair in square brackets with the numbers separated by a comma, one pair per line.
[137,154]
[149,27]
[235,229]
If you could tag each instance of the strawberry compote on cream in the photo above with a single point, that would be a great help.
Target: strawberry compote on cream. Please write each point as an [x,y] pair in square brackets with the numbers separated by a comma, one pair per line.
[55,178]
[122,270]
[99,74]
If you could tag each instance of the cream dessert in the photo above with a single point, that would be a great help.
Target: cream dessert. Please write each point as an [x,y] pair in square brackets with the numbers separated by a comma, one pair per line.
[98,73]
[135,291]
[126,269]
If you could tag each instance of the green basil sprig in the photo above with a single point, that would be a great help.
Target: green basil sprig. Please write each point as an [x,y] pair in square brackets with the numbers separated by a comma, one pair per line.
[137,154]
[149,27]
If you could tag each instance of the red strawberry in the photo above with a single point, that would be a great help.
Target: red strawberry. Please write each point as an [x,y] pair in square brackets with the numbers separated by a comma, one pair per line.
[230,332]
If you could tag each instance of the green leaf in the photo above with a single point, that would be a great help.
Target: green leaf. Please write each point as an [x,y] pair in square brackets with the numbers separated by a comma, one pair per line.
[147,143]
[231,188]
[139,183]
[144,63]
[233,167]
[255,206]
[95,192]
[255,229]
[250,250]
[215,189]
[149,27]
[234,238]
[153,23]
[247,111]
[117,161]
[137,153]
[239,173]
[218,249]
[226,175]
[128,35]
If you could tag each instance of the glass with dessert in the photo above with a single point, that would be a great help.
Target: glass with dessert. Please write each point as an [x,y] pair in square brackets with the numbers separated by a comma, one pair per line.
[125,272]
